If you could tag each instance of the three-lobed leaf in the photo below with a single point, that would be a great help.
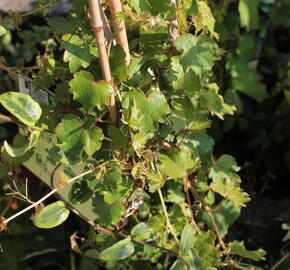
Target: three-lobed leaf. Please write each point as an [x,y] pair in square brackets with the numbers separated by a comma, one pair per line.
[90,93]
[142,112]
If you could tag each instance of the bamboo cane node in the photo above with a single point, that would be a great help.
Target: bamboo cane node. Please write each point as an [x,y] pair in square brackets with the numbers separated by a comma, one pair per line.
[100,28]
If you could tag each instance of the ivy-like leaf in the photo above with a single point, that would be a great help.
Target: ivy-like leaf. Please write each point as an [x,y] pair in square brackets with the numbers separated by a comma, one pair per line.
[249,15]
[198,53]
[225,168]
[177,163]
[204,20]
[143,113]
[62,25]
[79,51]
[238,248]
[22,106]
[51,215]
[119,251]
[76,137]
[107,213]
[225,216]
[88,92]
[188,114]
[201,144]
[20,151]
[231,191]
[80,192]
[215,102]
[204,247]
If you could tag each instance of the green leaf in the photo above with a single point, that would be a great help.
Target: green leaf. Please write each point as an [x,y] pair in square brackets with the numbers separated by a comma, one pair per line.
[76,136]
[225,168]
[141,232]
[3,31]
[249,15]
[177,163]
[178,265]
[187,240]
[117,63]
[215,102]
[188,114]
[245,78]
[204,20]
[19,151]
[191,7]
[230,191]
[119,251]
[225,216]
[51,215]
[238,248]
[198,53]
[191,83]
[22,106]
[115,187]
[143,113]
[62,25]
[117,136]
[107,213]
[90,93]
[139,5]
[80,192]
[204,247]
[155,180]
[79,51]
[201,144]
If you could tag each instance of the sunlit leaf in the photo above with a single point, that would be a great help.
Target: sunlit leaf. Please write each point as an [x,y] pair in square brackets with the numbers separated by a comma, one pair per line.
[22,106]
[119,251]
[51,215]
[238,248]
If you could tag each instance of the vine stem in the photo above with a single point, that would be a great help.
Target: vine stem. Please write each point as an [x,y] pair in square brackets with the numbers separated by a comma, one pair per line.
[98,29]
[210,215]
[280,261]
[9,119]
[167,218]
[5,222]
[32,12]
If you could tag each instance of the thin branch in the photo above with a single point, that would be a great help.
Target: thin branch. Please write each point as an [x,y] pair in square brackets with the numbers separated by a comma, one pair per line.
[52,2]
[9,119]
[280,261]
[211,217]
[167,218]
[5,222]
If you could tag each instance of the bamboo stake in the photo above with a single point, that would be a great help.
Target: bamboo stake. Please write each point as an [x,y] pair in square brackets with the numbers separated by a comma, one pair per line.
[115,7]
[98,28]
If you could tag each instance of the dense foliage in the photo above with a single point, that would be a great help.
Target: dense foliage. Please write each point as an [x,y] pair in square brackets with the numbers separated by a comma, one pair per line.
[163,198]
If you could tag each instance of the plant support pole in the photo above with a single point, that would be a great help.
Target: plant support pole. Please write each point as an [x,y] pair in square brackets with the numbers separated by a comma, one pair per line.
[98,28]
[115,7]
